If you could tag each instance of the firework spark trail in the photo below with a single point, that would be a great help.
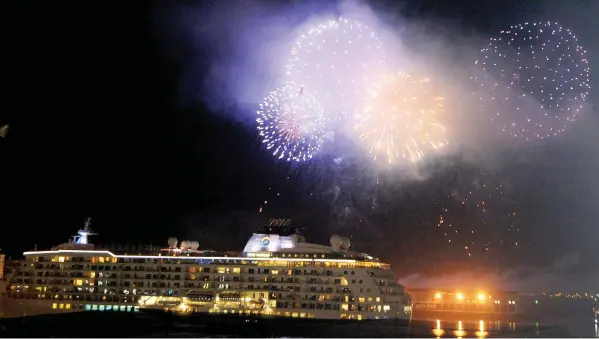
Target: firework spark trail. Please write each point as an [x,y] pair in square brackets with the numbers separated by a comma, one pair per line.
[400,119]
[291,123]
[536,79]
[478,216]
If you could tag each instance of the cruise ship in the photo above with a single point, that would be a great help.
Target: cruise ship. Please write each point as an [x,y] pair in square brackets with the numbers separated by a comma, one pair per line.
[278,274]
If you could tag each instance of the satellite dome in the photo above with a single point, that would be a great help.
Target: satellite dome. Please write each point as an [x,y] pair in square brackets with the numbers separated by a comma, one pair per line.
[172,242]
[194,245]
[184,244]
[339,243]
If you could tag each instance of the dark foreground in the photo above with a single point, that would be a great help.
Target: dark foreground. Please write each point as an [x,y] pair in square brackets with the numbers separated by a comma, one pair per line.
[101,324]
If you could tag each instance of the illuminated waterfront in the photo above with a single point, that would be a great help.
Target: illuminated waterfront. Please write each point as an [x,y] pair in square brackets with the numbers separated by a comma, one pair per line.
[476,313]
[553,327]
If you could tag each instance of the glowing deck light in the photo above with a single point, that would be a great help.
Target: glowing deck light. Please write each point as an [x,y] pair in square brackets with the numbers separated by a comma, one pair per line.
[438,295]
[460,296]
[481,297]
[186,258]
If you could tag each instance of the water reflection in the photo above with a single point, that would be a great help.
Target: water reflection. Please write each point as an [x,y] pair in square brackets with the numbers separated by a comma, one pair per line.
[438,332]
[493,328]
[481,333]
[460,331]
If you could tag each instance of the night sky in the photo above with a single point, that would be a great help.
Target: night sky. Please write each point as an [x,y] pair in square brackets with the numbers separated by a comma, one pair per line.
[108,119]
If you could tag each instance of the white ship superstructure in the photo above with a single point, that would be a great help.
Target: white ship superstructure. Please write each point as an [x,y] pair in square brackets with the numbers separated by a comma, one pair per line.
[277,274]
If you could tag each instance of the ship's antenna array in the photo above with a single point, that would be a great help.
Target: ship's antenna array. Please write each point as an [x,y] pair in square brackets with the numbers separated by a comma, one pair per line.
[84,233]
[279,222]
[88,223]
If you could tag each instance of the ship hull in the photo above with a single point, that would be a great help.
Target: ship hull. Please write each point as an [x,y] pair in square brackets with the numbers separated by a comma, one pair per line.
[13,308]
[16,308]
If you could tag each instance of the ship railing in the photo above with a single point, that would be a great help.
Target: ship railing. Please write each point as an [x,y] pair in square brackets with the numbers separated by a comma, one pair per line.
[89,297]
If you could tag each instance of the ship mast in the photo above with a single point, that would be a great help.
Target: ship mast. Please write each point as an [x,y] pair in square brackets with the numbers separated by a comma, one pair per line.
[84,233]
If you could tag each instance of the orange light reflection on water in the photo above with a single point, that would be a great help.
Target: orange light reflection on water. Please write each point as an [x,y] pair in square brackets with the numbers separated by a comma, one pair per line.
[438,332]
[460,331]
[482,329]
[481,333]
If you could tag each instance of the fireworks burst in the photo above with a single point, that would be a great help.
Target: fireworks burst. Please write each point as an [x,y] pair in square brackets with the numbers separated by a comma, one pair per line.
[334,59]
[291,123]
[399,119]
[536,79]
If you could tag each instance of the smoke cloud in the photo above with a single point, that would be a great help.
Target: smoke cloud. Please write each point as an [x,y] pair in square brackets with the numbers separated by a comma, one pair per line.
[559,277]
[238,51]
